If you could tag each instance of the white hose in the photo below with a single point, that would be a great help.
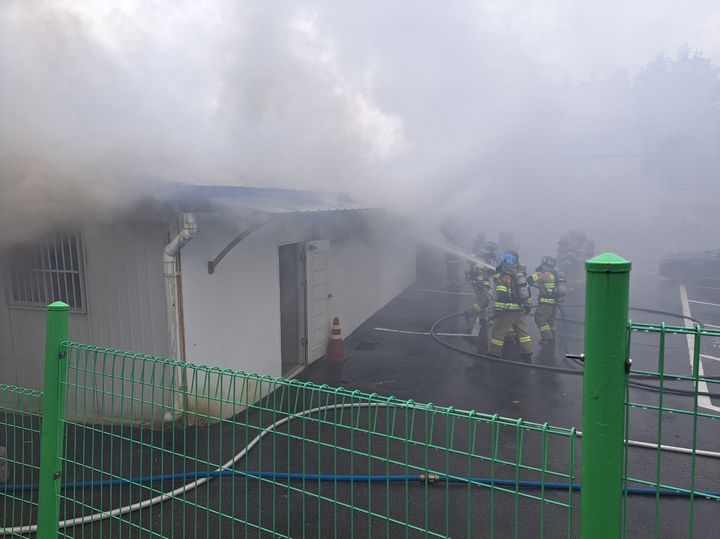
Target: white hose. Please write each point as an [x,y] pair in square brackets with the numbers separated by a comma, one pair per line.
[187,487]
[668,448]
[267,430]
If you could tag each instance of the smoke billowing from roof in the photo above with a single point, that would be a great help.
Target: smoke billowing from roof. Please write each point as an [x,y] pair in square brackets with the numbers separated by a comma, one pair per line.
[532,118]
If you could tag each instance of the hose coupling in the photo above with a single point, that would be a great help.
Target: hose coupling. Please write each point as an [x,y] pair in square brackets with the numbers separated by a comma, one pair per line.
[430,478]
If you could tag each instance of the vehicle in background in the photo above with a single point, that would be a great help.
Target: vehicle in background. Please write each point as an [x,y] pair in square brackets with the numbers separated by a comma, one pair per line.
[692,266]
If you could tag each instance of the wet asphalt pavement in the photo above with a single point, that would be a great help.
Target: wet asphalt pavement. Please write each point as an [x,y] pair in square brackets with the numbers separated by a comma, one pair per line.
[414,366]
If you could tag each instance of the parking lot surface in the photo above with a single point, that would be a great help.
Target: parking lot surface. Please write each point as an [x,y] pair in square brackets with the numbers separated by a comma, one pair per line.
[393,354]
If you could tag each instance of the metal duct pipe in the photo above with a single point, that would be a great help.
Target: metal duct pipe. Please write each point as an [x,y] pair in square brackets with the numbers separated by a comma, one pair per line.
[173,297]
[173,248]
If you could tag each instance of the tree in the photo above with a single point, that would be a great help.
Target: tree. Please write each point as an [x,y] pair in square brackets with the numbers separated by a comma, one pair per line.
[678,117]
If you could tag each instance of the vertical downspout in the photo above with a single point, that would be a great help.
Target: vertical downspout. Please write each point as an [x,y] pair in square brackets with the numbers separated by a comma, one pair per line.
[173,296]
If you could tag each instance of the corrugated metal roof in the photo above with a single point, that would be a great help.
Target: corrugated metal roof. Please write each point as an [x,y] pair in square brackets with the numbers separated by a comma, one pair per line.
[262,199]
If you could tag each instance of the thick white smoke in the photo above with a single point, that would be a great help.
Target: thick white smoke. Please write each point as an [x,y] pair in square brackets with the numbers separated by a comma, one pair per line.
[106,103]
[512,115]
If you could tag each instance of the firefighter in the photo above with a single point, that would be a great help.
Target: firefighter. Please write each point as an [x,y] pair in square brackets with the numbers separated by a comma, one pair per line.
[480,278]
[574,248]
[551,287]
[506,242]
[512,295]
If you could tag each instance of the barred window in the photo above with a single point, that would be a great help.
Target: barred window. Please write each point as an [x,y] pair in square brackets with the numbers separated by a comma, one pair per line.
[50,270]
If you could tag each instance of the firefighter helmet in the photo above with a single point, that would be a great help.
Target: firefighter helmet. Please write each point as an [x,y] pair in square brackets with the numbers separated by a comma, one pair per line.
[547,263]
[489,246]
[508,261]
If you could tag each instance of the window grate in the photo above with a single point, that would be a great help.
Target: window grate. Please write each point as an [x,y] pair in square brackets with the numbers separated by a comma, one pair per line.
[50,270]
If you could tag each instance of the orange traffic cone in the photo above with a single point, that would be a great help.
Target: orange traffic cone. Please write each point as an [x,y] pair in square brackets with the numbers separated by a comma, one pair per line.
[335,351]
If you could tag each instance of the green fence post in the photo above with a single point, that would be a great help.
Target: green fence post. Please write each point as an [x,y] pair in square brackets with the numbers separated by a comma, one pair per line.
[52,417]
[604,383]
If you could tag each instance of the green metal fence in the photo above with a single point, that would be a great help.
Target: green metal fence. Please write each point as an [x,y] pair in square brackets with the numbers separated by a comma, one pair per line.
[135,446]
[139,446]
[679,419]
[253,455]
[650,430]
[20,413]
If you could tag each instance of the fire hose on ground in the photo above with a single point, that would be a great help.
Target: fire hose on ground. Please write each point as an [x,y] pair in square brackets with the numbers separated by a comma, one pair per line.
[199,478]
[571,371]
[226,470]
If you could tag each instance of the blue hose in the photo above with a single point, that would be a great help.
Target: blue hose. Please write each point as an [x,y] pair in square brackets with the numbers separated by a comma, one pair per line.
[511,483]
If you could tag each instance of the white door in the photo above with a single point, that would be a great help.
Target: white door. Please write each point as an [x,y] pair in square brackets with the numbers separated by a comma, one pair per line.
[318,298]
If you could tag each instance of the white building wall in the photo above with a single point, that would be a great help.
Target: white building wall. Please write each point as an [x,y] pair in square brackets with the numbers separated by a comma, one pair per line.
[232,317]
[22,343]
[368,270]
[125,308]
[125,287]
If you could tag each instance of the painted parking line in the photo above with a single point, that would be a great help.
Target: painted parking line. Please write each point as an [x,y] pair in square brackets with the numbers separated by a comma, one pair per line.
[390,330]
[708,356]
[703,286]
[444,292]
[711,325]
[702,302]
[703,400]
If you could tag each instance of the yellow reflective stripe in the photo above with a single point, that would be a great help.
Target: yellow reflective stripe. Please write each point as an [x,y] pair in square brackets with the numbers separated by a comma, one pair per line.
[524,339]
[545,328]
[497,342]
[501,288]
[547,300]
[507,306]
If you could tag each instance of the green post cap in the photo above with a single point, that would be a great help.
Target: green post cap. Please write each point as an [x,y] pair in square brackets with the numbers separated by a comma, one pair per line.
[58,306]
[608,263]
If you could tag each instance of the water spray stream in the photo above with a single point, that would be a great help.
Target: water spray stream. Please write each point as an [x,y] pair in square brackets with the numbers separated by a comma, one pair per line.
[459,252]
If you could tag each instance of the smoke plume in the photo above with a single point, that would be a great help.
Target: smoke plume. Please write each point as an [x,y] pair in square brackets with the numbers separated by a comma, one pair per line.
[531,118]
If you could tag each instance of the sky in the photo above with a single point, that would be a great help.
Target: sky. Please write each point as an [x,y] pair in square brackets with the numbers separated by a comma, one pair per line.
[427,108]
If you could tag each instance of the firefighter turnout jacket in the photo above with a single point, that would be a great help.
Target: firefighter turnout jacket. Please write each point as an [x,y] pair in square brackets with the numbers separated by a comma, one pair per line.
[480,274]
[546,282]
[507,296]
[511,300]
[480,277]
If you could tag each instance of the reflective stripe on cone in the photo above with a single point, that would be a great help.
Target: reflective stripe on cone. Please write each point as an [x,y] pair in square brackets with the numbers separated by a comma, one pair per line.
[336,351]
